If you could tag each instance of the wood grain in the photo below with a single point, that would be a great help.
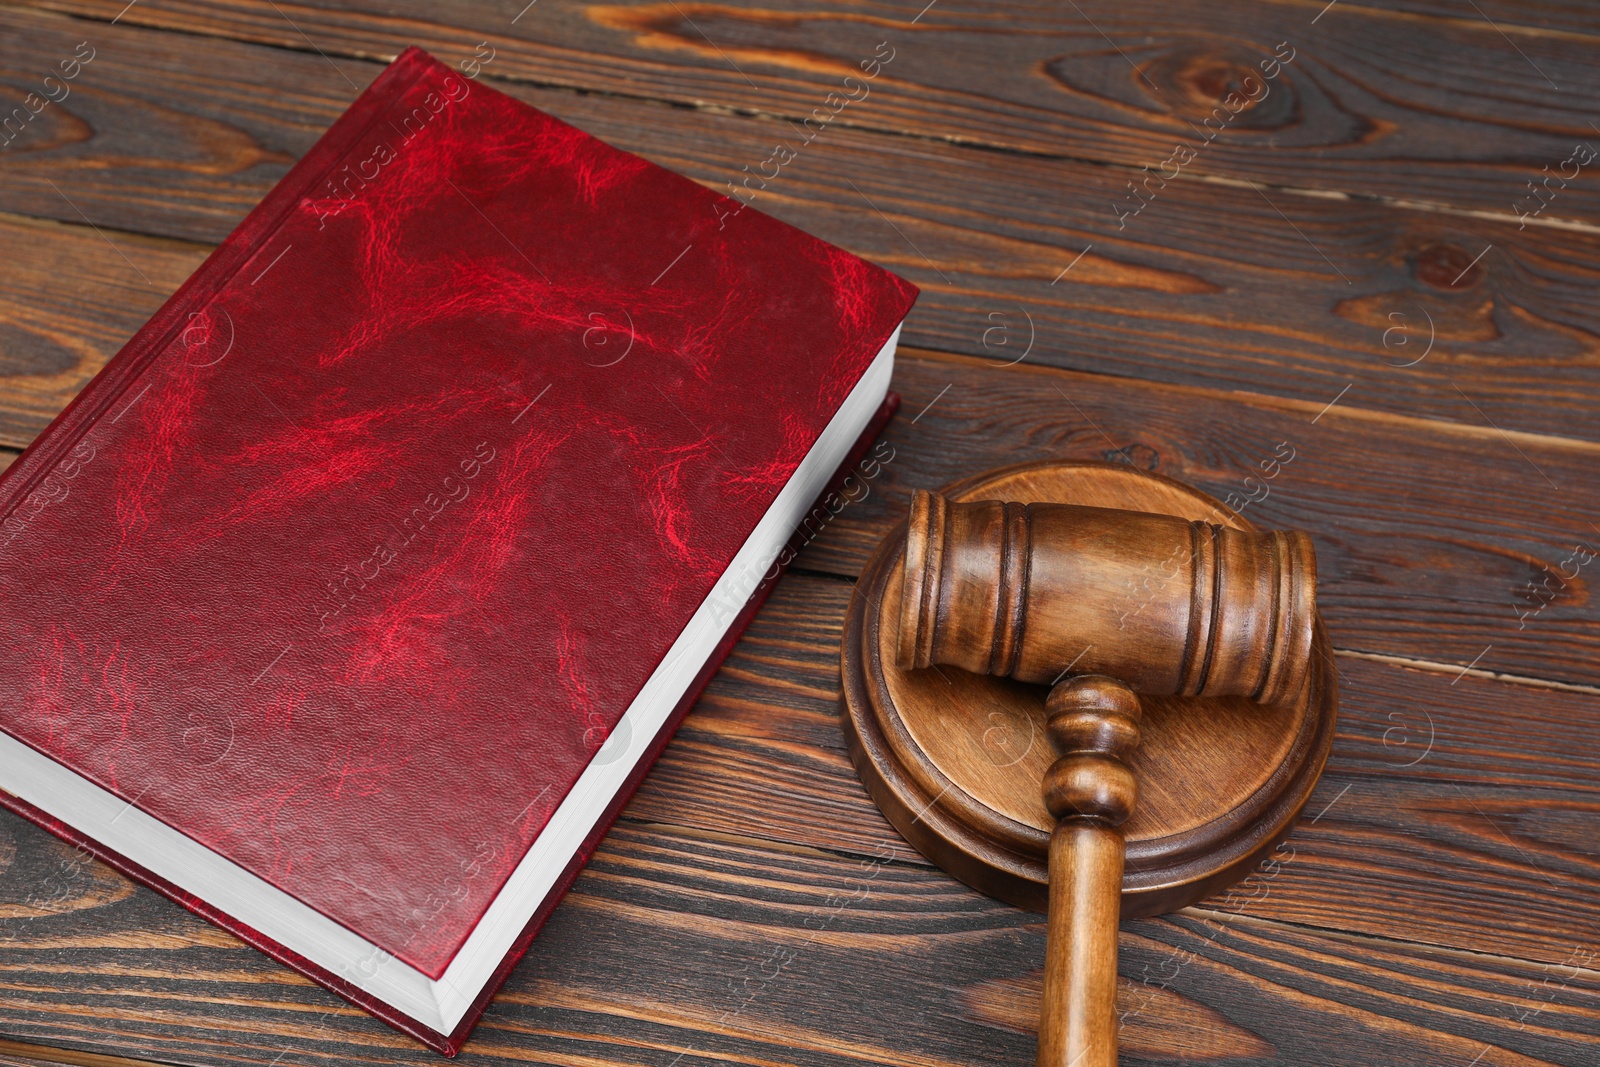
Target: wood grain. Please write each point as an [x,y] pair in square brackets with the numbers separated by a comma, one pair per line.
[1415,557]
[1306,296]
[792,955]
[1078,1004]
[22,1054]
[1436,109]
[1005,577]
[1524,17]
[71,298]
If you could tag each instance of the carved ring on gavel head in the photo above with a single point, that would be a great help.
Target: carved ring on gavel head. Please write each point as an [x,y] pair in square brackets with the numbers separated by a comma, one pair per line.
[1125,602]
[1165,605]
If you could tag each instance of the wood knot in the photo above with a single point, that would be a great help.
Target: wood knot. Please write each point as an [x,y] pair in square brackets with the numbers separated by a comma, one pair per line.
[1229,89]
[1137,455]
[1447,267]
[1094,723]
[1206,78]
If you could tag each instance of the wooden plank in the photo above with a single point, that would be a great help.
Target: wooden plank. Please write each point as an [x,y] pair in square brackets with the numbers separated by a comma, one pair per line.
[1375,103]
[1439,730]
[1519,18]
[1165,299]
[1434,541]
[150,138]
[69,298]
[22,1054]
[799,957]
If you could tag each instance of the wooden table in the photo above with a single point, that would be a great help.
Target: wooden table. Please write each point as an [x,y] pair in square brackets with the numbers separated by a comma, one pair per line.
[1338,272]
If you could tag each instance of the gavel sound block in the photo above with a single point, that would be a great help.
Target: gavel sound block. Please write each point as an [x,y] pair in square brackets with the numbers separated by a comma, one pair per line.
[1190,714]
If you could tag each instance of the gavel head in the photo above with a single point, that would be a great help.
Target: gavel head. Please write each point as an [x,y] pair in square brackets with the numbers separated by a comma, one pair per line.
[1167,606]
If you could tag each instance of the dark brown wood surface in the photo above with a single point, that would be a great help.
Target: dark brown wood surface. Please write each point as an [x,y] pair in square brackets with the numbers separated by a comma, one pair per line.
[1441,902]
[181,135]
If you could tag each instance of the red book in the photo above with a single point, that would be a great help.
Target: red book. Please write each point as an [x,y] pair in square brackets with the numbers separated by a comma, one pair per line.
[350,602]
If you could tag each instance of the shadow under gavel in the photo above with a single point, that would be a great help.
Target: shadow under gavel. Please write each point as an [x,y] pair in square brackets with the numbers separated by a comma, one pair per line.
[1102,605]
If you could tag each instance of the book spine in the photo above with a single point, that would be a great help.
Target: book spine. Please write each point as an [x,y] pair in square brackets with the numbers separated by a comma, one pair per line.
[20,480]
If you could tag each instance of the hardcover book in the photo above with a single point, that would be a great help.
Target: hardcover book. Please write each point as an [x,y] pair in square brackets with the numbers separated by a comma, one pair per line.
[349,603]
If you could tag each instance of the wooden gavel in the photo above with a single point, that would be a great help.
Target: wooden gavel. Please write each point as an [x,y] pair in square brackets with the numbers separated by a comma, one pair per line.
[1125,603]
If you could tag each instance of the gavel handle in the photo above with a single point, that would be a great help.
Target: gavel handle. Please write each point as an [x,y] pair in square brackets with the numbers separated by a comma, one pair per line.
[1078,1025]
[1094,722]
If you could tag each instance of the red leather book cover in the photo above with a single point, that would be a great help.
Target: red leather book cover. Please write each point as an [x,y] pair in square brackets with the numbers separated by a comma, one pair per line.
[348,564]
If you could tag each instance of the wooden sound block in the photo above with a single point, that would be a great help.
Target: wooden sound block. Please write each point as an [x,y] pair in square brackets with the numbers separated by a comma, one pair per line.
[955,760]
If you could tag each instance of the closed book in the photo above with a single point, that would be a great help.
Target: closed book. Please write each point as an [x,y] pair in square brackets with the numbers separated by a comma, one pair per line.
[350,602]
